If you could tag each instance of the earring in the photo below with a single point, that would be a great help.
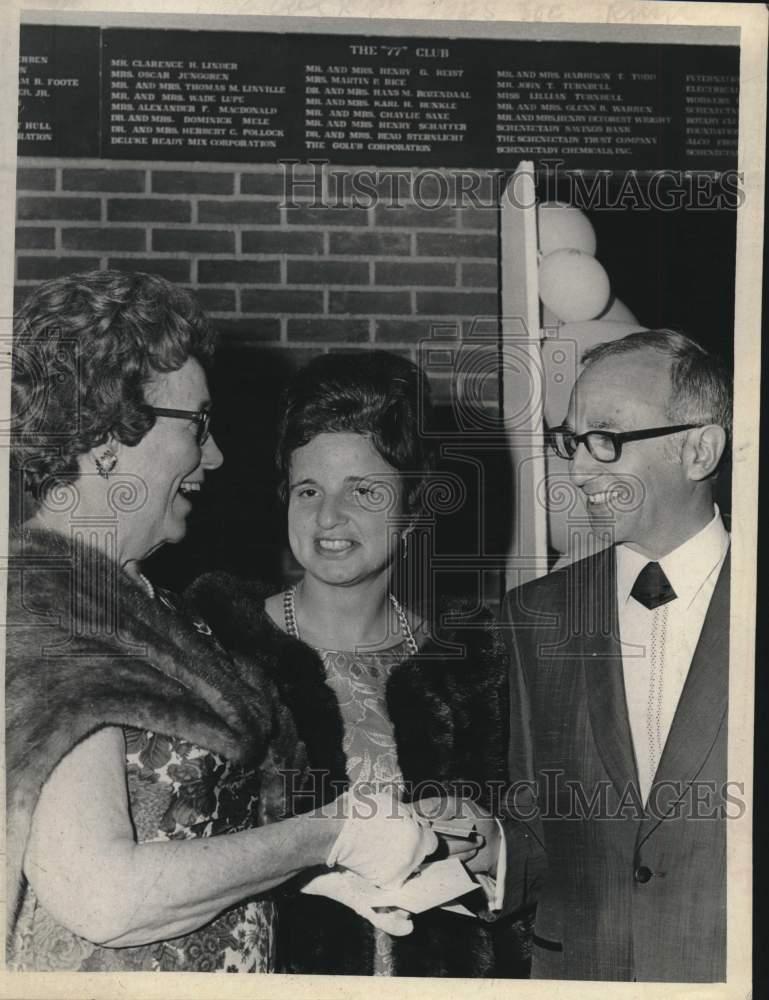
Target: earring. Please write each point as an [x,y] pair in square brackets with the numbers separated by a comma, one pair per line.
[105,463]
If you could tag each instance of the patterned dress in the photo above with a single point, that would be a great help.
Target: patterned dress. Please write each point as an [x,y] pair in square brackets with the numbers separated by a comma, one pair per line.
[177,791]
[358,680]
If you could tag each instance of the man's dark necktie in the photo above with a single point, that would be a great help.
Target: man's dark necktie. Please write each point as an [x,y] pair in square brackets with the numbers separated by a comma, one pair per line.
[652,588]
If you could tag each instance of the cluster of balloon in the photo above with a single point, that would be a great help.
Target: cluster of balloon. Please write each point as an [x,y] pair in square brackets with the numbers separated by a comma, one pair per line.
[573,285]
[576,294]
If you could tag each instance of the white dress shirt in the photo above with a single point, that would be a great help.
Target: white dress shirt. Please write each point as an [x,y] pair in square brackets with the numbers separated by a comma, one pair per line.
[692,570]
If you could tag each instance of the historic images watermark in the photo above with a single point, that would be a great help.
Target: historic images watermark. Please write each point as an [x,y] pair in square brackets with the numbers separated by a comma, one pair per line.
[317,183]
[551,797]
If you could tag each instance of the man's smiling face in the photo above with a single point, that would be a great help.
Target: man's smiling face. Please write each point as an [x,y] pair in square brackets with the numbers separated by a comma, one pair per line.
[645,495]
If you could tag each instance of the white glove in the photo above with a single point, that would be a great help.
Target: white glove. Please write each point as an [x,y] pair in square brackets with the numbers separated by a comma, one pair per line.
[361,896]
[382,839]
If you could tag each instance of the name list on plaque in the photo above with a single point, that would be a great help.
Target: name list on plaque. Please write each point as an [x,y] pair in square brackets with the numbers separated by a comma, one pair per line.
[121,93]
[58,91]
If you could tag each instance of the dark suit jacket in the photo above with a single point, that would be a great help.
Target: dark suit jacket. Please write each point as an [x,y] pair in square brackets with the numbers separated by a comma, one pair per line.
[632,893]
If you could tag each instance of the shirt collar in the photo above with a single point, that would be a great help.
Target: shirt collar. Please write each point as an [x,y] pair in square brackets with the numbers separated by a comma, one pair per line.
[687,567]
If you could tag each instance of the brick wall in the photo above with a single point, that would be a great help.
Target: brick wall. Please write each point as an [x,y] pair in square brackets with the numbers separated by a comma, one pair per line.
[282,282]
[299,278]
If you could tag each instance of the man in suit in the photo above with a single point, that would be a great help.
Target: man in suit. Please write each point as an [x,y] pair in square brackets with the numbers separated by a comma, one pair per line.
[621,662]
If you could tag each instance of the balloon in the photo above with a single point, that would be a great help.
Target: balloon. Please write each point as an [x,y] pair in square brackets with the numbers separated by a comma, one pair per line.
[561,357]
[573,285]
[618,311]
[563,226]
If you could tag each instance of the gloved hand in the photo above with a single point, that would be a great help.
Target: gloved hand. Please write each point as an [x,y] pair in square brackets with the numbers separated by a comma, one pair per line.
[382,839]
[360,895]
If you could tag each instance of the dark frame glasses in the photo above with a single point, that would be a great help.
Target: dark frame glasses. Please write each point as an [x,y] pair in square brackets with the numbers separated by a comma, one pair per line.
[203,418]
[604,446]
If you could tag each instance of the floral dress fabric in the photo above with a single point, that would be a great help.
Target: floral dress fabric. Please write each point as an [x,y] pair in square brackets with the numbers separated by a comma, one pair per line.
[177,791]
[358,680]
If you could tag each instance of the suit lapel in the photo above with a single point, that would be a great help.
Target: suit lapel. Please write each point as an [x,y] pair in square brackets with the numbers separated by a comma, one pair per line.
[598,640]
[704,699]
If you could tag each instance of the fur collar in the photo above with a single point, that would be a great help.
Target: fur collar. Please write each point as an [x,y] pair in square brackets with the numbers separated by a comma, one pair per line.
[87,647]
[235,610]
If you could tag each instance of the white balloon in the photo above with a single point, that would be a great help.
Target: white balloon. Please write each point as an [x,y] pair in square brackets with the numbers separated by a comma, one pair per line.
[564,227]
[562,355]
[573,285]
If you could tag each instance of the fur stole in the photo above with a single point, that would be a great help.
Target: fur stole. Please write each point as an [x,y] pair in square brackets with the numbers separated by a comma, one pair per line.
[87,647]
[449,709]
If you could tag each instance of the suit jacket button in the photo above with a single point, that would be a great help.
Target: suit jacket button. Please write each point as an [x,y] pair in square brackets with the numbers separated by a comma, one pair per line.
[642,874]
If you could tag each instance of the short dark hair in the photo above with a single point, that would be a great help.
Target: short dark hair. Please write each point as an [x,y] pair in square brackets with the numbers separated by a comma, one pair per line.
[85,348]
[701,385]
[378,394]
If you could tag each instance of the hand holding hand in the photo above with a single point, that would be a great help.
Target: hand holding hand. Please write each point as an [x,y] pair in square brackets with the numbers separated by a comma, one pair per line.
[361,896]
[447,809]
[382,839]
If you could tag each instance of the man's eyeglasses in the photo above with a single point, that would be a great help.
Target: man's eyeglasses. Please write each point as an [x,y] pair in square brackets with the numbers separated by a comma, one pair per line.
[203,418]
[604,446]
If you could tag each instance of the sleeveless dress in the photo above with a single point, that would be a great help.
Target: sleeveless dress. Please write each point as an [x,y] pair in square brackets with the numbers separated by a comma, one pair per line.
[177,791]
[358,679]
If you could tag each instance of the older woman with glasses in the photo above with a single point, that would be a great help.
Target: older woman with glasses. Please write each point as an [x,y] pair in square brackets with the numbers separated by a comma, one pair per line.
[144,762]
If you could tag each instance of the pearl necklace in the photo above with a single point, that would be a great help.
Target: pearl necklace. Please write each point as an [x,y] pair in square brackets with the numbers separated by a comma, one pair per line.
[147,586]
[289,616]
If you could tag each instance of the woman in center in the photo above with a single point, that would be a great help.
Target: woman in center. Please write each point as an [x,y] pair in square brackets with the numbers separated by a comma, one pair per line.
[380,695]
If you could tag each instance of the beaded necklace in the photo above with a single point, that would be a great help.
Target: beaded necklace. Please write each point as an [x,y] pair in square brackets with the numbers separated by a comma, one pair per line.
[289,616]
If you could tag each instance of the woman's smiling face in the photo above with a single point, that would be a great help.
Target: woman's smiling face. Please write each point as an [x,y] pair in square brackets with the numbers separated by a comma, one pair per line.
[167,465]
[345,509]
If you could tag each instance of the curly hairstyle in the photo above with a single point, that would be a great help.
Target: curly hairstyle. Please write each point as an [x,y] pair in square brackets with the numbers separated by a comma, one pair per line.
[85,348]
[380,395]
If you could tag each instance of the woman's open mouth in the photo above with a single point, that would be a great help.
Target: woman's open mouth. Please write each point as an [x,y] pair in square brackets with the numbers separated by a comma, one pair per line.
[334,546]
